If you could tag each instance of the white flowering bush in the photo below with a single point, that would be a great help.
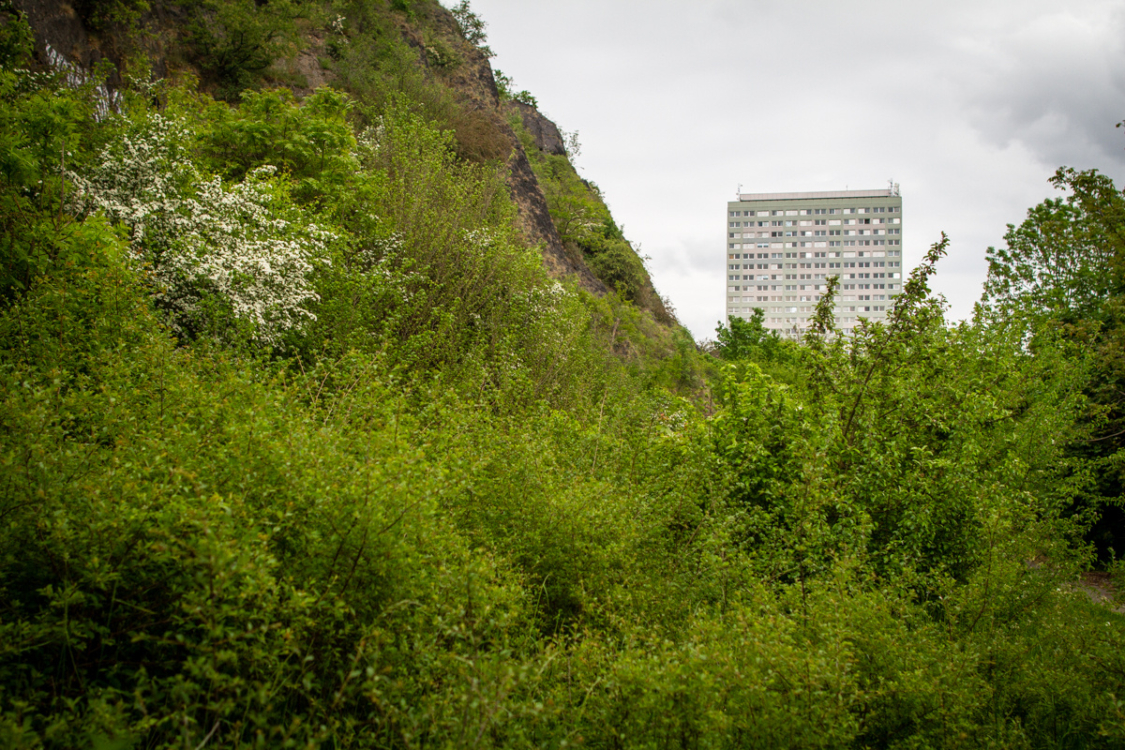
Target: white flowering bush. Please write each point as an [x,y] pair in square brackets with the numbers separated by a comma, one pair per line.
[368,142]
[249,246]
[545,299]
[379,260]
[243,248]
[141,180]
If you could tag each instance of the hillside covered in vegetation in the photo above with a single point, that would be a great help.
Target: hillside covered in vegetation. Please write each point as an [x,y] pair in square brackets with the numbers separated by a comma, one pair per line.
[337,411]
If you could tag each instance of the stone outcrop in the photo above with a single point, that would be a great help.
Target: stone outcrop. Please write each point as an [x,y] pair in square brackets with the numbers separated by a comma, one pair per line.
[547,136]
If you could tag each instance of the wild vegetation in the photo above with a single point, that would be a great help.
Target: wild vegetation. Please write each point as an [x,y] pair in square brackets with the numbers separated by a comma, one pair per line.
[302,446]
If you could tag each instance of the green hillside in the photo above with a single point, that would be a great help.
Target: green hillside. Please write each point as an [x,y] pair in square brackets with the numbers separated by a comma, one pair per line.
[337,411]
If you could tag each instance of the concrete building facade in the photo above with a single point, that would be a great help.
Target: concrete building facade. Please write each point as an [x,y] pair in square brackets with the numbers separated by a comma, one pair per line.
[783,247]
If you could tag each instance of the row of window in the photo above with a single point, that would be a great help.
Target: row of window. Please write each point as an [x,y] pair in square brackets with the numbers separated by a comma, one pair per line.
[822,243]
[810,276]
[846,263]
[828,264]
[840,320]
[790,298]
[781,267]
[813,276]
[807,310]
[816,233]
[845,323]
[805,287]
[820,211]
[813,223]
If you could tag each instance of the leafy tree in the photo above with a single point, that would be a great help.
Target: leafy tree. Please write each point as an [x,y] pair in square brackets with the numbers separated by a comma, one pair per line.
[507,90]
[1064,272]
[1054,263]
[889,446]
[471,26]
[47,129]
[101,14]
[746,339]
[576,209]
[234,41]
[16,39]
[311,140]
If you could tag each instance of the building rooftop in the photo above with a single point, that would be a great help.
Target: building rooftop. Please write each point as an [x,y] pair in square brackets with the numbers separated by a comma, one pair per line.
[879,193]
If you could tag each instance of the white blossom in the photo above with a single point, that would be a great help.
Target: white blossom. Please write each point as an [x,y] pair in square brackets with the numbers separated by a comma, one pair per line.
[369,140]
[481,239]
[545,300]
[244,242]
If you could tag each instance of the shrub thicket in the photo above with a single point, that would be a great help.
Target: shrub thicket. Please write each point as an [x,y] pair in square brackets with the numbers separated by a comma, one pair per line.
[411,491]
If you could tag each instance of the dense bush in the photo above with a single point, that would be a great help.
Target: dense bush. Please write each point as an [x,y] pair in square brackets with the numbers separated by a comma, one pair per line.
[301,446]
[234,42]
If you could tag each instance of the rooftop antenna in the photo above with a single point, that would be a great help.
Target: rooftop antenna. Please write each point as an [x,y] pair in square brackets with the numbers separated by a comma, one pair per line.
[893,186]
[740,191]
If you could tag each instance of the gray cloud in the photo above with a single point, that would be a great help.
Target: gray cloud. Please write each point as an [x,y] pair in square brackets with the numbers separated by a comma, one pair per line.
[1055,83]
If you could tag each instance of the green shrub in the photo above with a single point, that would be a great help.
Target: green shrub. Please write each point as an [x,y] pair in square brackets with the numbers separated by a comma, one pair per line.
[234,43]
[620,268]
[101,15]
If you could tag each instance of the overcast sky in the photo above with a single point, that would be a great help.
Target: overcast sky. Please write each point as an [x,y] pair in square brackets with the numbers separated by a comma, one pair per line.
[969,106]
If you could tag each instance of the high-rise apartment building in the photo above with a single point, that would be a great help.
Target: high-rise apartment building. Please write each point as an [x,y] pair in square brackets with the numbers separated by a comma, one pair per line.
[783,247]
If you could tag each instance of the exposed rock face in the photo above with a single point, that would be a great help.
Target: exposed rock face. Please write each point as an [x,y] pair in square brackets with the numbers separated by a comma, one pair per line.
[546,133]
[536,222]
[56,23]
[474,80]
[307,65]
